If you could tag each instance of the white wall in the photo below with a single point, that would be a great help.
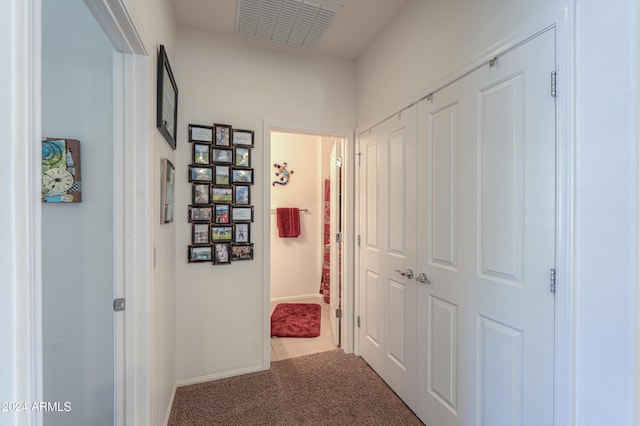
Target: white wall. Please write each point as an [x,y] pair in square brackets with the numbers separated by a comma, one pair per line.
[430,40]
[77,239]
[220,309]
[296,263]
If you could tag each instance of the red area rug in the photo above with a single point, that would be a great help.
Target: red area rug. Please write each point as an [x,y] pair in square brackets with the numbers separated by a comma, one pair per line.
[296,320]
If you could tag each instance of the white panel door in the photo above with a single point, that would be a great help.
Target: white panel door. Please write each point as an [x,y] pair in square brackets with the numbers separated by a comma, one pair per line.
[387,251]
[487,245]
[335,280]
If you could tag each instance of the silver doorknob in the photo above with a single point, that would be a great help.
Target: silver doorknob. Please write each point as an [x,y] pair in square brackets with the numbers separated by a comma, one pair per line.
[422,278]
[408,273]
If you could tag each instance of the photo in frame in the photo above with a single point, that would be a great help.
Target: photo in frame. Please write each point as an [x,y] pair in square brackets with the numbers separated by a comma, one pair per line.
[242,137]
[221,233]
[167,100]
[201,193]
[222,213]
[197,213]
[201,154]
[201,134]
[221,156]
[241,252]
[242,214]
[221,253]
[242,157]
[242,176]
[242,195]
[223,135]
[167,191]
[242,233]
[222,175]
[200,174]
[200,254]
[200,233]
[221,195]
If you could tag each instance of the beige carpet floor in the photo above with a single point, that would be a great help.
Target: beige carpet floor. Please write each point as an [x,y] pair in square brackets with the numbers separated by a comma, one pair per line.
[328,388]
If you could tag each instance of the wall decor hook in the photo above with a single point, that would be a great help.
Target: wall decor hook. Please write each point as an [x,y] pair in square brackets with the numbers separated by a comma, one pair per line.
[282,173]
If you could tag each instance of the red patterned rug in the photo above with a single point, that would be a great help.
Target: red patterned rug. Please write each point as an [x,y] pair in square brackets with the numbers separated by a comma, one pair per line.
[296,320]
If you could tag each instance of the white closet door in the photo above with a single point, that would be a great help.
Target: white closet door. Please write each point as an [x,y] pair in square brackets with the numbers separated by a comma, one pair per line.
[387,250]
[487,244]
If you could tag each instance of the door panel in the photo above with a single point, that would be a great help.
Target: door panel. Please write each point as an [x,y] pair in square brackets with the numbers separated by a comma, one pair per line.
[388,203]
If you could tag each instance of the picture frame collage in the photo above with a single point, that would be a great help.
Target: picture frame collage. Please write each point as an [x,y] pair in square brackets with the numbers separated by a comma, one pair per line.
[221,177]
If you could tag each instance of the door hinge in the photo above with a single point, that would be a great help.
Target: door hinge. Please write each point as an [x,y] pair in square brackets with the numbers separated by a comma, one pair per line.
[339,237]
[358,321]
[338,161]
[118,305]
[358,240]
[358,155]
[339,313]
[553,84]
[552,280]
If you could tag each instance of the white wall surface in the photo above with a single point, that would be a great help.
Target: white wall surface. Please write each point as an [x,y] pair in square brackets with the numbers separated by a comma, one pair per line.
[296,263]
[77,245]
[155,21]
[219,315]
[430,40]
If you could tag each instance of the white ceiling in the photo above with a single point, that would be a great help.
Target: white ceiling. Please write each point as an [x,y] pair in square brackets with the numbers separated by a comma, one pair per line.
[354,28]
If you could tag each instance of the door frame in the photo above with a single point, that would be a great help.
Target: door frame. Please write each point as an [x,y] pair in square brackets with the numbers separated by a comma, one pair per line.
[348,234]
[132,237]
[561,18]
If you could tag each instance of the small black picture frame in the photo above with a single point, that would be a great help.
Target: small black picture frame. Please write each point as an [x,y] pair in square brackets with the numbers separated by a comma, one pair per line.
[241,137]
[200,134]
[200,213]
[199,254]
[222,213]
[241,252]
[221,233]
[222,175]
[200,174]
[223,135]
[221,195]
[242,157]
[201,154]
[201,194]
[243,176]
[242,233]
[221,253]
[200,233]
[242,195]
[167,100]
[221,156]
[242,213]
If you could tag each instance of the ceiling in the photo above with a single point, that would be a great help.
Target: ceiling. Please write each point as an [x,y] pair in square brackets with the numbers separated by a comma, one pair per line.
[356,25]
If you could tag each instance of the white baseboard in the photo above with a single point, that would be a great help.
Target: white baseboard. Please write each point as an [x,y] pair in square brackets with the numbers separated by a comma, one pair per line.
[293,298]
[171,398]
[217,376]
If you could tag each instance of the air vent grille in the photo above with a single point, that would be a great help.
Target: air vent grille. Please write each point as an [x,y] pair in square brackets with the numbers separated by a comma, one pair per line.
[300,23]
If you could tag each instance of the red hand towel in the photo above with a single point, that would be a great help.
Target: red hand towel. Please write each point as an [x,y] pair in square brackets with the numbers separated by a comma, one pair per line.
[288,222]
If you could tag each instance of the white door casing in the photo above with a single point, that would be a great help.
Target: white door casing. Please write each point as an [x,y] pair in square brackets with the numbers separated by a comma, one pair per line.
[487,244]
[387,250]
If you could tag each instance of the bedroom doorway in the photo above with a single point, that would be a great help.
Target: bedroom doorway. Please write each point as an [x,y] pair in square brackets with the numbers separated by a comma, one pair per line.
[307,214]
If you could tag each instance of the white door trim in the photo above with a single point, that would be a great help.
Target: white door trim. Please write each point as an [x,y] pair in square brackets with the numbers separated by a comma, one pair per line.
[347,323]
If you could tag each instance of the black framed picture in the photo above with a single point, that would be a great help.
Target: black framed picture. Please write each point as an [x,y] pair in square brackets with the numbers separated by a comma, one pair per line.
[200,213]
[221,155]
[221,253]
[222,177]
[201,193]
[200,233]
[223,135]
[221,195]
[242,157]
[200,154]
[242,176]
[200,254]
[241,252]
[200,174]
[242,233]
[221,233]
[167,100]
[242,195]
[242,213]
[222,213]
[200,134]
[167,191]
[242,137]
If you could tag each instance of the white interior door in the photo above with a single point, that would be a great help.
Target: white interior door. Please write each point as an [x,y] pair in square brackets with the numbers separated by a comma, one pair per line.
[334,254]
[387,250]
[487,245]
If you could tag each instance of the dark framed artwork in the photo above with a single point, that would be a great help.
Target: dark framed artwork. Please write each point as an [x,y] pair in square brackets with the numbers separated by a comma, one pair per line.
[221,195]
[242,195]
[200,174]
[197,213]
[167,100]
[222,176]
[242,176]
[242,233]
[221,233]
[200,233]
[199,254]
[201,154]
[242,157]
[223,135]
[222,213]
[242,138]
[242,213]
[200,134]
[242,252]
[221,156]
[201,193]
[167,191]
[221,254]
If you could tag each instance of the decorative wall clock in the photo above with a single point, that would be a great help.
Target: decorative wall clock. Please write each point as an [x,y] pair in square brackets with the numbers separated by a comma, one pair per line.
[61,171]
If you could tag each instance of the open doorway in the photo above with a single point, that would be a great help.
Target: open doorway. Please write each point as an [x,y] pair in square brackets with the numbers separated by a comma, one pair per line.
[306,255]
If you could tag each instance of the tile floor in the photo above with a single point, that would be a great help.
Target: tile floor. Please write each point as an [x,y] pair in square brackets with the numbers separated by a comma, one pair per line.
[291,347]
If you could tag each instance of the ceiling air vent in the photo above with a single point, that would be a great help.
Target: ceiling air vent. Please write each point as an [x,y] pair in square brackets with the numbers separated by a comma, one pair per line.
[299,23]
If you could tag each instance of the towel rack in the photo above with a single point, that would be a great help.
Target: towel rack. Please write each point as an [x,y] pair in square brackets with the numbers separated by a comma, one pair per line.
[302,210]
